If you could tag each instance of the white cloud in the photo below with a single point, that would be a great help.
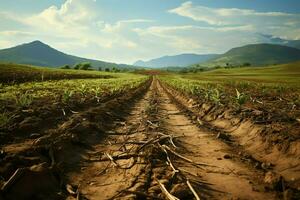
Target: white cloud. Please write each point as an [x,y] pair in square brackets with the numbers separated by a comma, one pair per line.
[286,23]
[121,24]
[78,27]
[182,39]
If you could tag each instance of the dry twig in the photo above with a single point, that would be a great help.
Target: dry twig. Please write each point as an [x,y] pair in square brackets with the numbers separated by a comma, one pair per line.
[192,189]
[165,191]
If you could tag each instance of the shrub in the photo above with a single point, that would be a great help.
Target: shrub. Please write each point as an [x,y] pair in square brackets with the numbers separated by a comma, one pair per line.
[77,66]
[66,67]
[85,66]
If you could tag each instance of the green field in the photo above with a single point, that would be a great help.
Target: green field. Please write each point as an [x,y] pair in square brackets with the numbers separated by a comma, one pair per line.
[286,73]
[274,89]
[10,73]
[25,87]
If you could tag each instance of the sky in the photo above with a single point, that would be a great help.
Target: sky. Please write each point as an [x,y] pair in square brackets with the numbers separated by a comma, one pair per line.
[124,31]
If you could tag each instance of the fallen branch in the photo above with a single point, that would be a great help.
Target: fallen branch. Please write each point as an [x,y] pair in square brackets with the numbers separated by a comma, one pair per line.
[171,141]
[165,191]
[111,159]
[184,158]
[170,138]
[116,164]
[152,141]
[192,189]
[169,160]
[13,179]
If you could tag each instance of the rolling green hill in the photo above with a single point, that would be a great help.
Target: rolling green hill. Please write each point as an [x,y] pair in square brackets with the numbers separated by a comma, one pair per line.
[284,73]
[256,55]
[40,54]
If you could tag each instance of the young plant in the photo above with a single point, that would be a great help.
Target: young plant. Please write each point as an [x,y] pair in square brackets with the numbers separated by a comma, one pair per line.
[83,89]
[67,96]
[24,100]
[216,96]
[241,98]
[97,92]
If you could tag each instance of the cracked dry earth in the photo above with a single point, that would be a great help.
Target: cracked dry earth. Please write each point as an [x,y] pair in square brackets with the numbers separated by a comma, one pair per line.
[156,152]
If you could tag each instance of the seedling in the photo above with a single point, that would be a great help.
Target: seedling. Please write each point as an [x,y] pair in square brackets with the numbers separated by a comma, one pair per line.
[216,96]
[241,98]
[83,89]
[97,92]
[67,96]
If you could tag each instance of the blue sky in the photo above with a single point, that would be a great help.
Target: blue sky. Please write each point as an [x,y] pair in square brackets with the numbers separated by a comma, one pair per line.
[124,31]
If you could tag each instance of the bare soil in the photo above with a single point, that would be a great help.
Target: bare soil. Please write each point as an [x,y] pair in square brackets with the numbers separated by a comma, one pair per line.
[146,144]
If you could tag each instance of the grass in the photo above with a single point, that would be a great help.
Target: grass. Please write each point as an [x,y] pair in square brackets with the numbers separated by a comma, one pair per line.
[11,73]
[287,73]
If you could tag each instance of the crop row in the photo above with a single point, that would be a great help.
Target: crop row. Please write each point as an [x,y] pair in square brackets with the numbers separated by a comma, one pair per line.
[62,88]
[237,93]
[63,93]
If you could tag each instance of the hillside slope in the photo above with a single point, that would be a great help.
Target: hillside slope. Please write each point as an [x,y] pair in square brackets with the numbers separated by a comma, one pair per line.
[40,54]
[257,55]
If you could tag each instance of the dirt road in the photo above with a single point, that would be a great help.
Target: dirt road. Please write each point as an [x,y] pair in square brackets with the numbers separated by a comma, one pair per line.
[157,152]
[143,145]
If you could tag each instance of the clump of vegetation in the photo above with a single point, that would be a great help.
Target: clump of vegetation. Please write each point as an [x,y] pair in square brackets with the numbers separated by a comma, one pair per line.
[83,89]
[83,66]
[66,67]
[67,94]
[97,92]
[24,100]
[215,96]
[240,98]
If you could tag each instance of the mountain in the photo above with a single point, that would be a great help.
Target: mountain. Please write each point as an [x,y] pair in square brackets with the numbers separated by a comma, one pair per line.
[256,55]
[280,41]
[181,60]
[292,43]
[40,54]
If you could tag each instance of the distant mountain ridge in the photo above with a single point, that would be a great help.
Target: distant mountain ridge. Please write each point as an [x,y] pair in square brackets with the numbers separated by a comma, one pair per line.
[181,60]
[256,55]
[280,41]
[40,54]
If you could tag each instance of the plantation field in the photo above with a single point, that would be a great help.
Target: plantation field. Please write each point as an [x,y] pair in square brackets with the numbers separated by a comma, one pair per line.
[15,73]
[280,74]
[222,134]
